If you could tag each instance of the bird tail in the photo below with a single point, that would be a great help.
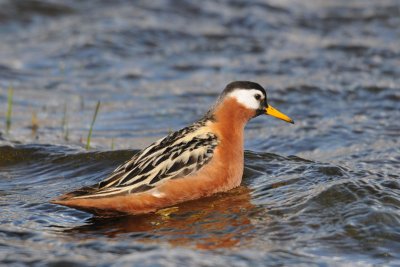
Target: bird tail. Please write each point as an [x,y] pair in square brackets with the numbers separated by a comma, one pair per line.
[87,190]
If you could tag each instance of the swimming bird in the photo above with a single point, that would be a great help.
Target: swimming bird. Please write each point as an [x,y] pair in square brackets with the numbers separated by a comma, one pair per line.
[199,160]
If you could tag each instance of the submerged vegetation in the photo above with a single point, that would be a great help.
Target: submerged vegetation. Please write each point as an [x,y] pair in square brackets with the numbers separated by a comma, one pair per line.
[9,107]
[34,122]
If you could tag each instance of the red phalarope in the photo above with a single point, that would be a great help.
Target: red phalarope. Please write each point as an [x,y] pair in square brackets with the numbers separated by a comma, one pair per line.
[197,161]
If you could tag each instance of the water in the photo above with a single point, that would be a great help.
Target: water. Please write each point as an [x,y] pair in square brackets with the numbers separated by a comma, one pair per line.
[324,191]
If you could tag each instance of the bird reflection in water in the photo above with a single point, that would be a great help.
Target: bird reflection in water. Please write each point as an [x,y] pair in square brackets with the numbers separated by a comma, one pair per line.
[220,221]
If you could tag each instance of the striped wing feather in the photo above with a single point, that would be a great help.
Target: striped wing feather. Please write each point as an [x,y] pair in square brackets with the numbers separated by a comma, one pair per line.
[178,154]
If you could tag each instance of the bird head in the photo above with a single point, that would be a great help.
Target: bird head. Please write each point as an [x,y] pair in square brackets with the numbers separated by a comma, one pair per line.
[252,96]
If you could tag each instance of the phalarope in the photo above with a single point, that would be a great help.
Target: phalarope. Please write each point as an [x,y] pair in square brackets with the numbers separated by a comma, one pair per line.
[197,161]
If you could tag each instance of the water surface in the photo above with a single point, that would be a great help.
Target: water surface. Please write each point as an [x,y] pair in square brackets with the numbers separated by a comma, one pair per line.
[325,191]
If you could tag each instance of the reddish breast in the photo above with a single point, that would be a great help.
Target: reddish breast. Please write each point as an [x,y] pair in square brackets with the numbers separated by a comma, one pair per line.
[222,173]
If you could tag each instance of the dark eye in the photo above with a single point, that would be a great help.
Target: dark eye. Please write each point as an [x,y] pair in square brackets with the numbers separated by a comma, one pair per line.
[257,96]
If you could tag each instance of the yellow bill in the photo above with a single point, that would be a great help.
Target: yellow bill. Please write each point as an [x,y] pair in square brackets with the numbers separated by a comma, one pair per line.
[277,114]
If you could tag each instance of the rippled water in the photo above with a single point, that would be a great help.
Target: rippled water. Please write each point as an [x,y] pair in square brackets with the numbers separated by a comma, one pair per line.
[325,191]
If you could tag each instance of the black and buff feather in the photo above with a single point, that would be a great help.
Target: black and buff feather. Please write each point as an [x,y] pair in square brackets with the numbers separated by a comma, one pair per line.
[178,154]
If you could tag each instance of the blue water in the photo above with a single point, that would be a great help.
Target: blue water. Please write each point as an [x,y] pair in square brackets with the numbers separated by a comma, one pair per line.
[324,191]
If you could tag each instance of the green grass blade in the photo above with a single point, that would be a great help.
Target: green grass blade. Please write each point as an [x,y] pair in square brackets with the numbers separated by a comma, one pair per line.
[91,126]
[64,123]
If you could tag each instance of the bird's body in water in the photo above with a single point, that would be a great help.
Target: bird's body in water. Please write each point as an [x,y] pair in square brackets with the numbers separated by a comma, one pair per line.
[197,161]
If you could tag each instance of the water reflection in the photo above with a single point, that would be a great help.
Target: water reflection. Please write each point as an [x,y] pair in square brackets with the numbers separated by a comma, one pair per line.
[220,221]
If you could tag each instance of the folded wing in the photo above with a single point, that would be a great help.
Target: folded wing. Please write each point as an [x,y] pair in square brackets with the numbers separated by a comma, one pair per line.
[177,155]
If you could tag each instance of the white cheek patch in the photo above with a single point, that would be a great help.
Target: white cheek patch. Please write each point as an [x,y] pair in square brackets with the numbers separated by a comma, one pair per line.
[246,98]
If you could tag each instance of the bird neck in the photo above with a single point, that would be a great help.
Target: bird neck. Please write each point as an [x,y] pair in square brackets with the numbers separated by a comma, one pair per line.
[231,118]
